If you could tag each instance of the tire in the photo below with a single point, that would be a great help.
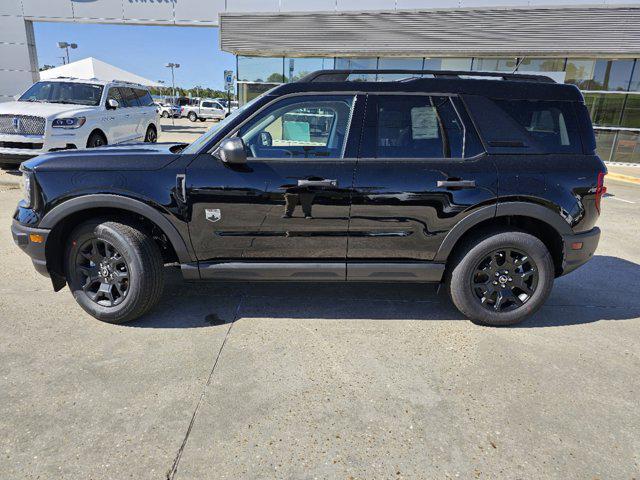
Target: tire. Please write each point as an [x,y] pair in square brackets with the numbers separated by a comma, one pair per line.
[499,294]
[192,116]
[165,114]
[132,254]
[202,119]
[96,139]
[152,135]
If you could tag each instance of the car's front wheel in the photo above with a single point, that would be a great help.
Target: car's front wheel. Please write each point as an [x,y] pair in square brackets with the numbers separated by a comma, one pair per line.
[165,114]
[96,139]
[499,278]
[114,270]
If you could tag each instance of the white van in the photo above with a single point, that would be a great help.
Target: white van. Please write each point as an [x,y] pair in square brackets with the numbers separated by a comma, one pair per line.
[70,113]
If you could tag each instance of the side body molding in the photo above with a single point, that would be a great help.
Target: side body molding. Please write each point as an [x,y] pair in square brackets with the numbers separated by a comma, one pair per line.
[86,202]
[521,209]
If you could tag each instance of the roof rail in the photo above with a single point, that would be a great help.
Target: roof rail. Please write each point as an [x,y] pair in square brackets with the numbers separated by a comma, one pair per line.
[343,75]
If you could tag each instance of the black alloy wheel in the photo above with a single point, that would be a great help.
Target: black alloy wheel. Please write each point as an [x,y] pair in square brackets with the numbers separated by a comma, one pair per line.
[96,140]
[504,280]
[103,272]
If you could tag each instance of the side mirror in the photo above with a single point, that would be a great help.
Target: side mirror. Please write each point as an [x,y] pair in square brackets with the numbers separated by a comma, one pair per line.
[112,104]
[232,150]
[266,140]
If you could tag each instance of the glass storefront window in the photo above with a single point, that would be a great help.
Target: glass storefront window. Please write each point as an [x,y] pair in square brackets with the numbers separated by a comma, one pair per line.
[447,64]
[494,64]
[631,114]
[580,72]
[605,109]
[635,79]
[604,143]
[261,69]
[296,68]
[627,147]
[542,65]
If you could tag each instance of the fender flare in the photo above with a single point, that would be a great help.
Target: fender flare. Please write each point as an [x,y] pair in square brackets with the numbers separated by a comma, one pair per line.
[520,209]
[87,202]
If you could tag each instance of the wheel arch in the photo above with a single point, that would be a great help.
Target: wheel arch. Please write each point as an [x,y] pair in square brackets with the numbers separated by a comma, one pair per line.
[63,218]
[99,131]
[537,220]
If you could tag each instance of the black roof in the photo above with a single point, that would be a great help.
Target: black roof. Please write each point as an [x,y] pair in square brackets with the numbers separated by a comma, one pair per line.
[496,85]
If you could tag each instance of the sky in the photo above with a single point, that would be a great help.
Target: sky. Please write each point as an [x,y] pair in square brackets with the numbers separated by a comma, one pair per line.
[140,49]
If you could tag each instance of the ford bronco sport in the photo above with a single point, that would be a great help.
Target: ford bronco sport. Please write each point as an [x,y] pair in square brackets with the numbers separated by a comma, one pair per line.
[487,183]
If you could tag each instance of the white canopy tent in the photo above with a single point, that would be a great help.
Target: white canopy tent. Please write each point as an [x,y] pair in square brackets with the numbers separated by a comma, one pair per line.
[93,68]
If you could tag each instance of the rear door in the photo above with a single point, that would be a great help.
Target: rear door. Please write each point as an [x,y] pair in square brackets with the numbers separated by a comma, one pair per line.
[147,110]
[132,114]
[421,171]
[290,201]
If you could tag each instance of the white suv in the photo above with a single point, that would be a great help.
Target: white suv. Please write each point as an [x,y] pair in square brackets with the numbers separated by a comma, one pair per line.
[68,113]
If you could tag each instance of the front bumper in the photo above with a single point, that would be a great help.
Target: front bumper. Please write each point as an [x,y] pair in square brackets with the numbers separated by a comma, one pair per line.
[575,258]
[36,250]
[14,159]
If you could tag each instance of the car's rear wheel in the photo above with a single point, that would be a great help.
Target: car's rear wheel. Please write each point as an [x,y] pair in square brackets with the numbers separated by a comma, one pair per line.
[96,139]
[114,270]
[152,135]
[203,119]
[192,116]
[499,278]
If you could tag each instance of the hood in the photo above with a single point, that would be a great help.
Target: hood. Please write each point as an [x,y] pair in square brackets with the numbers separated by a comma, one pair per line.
[38,109]
[140,156]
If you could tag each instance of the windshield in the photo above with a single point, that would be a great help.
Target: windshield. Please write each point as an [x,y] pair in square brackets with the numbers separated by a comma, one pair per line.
[204,139]
[63,92]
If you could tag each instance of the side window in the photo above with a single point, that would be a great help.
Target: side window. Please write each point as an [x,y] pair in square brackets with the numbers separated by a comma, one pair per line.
[300,127]
[207,105]
[417,126]
[551,123]
[144,97]
[115,94]
[129,97]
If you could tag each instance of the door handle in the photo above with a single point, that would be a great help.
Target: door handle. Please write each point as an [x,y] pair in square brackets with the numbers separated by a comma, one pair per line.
[456,183]
[317,183]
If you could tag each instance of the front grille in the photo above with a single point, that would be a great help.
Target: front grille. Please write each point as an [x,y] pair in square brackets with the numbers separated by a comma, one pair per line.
[23,145]
[21,125]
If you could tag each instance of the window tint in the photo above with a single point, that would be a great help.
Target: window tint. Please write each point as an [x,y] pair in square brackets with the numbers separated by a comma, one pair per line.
[553,124]
[300,127]
[129,97]
[144,97]
[208,105]
[412,127]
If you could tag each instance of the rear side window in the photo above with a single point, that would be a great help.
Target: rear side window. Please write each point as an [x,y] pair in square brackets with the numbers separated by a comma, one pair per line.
[413,126]
[552,124]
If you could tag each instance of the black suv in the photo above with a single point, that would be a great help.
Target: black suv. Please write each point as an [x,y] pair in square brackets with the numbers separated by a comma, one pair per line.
[488,183]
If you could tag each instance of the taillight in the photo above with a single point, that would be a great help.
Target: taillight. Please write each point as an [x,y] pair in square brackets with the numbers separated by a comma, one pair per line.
[600,190]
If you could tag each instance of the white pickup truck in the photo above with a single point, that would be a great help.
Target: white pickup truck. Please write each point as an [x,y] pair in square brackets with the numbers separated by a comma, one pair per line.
[203,110]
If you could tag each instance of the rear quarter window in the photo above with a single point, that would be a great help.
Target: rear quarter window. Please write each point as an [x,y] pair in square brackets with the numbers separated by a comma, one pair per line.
[552,124]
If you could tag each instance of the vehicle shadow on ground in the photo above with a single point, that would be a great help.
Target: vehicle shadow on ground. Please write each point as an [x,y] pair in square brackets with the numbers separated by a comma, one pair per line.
[585,296]
[200,127]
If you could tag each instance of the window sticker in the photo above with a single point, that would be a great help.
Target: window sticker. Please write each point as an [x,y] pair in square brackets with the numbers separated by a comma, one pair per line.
[424,123]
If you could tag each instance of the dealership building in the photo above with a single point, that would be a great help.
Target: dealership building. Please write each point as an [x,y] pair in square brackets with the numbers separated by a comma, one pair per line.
[592,44]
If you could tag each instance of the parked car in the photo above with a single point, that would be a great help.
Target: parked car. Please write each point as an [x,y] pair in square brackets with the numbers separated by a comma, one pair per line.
[490,188]
[166,110]
[203,110]
[69,113]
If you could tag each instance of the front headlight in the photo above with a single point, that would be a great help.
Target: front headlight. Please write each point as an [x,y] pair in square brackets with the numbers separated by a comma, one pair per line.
[71,122]
[26,184]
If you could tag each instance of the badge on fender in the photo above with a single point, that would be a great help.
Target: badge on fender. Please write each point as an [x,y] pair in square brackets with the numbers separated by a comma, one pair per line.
[212,214]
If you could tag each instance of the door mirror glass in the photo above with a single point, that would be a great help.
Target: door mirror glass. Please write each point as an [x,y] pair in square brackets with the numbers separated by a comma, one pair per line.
[266,140]
[112,104]
[232,150]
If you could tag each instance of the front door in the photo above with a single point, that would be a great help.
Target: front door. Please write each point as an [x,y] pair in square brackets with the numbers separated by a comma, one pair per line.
[420,171]
[290,201]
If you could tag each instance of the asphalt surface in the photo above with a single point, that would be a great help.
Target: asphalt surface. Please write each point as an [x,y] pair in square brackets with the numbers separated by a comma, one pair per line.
[324,381]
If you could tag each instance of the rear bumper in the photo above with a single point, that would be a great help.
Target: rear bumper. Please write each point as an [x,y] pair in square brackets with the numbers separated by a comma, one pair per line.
[575,258]
[35,250]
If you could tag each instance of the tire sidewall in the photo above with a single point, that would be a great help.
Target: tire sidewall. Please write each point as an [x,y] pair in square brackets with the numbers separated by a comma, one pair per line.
[91,140]
[193,117]
[132,257]
[460,281]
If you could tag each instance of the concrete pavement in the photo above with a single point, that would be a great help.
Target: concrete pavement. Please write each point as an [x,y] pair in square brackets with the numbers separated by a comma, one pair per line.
[324,381]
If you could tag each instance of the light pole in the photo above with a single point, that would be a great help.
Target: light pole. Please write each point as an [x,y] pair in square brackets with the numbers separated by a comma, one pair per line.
[67,46]
[173,79]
